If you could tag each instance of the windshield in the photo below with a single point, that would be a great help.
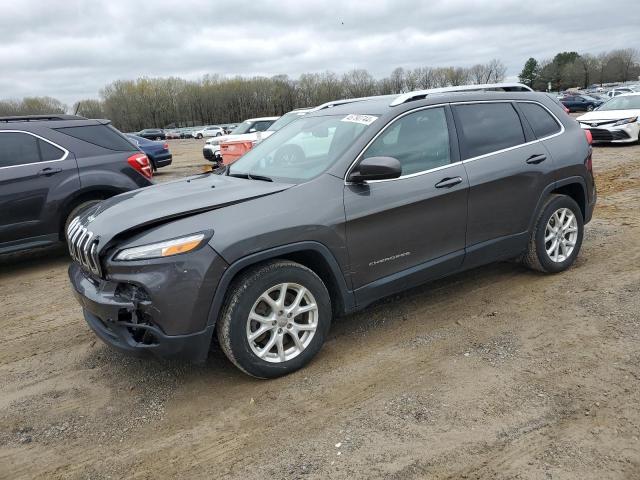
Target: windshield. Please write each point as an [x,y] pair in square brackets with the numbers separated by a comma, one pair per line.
[285,120]
[626,102]
[243,127]
[300,151]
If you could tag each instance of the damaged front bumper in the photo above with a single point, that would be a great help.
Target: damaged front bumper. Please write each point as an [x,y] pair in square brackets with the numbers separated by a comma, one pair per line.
[152,307]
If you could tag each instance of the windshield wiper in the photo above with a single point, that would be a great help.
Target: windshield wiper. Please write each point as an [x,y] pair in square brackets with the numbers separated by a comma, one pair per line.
[250,176]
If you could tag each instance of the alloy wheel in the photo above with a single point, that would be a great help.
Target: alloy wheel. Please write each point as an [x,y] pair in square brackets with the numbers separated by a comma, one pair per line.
[282,322]
[560,235]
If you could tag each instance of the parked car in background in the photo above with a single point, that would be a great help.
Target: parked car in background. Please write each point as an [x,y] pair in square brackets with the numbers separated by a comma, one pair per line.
[157,152]
[172,134]
[211,149]
[209,131]
[152,134]
[229,128]
[618,91]
[52,167]
[338,209]
[237,145]
[617,121]
[580,103]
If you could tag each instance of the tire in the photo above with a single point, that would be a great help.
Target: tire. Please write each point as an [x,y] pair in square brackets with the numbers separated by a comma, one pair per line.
[245,297]
[199,136]
[590,108]
[537,256]
[77,210]
[218,134]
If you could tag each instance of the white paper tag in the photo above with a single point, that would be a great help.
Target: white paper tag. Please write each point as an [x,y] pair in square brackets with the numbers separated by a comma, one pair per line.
[363,119]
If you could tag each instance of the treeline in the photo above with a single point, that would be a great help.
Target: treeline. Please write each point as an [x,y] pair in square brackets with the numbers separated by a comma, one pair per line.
[573,69]
[31,106]
[173,102]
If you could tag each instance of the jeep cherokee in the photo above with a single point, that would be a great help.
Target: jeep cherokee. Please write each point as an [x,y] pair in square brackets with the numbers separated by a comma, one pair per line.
[336,210]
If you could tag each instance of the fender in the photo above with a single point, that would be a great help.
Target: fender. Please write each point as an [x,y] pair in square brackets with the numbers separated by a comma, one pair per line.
[551,187]
[346,296]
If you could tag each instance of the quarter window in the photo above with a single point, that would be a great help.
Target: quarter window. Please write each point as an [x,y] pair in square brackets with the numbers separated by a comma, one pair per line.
[540,119]
[22,149]
[420,141]
[488,127]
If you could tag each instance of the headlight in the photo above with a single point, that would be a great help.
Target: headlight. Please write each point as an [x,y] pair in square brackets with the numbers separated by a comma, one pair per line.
[161,249]
[624,121]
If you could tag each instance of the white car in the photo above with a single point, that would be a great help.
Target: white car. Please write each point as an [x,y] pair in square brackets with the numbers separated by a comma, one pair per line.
[618,91]
[210,131]
[615,121]
[252,126]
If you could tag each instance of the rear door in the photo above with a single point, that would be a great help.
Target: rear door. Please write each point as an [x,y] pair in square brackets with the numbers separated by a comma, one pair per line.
[36,175]
[403,231]
[508,170]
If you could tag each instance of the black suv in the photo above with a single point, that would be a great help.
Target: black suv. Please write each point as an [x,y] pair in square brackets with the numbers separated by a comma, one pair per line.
[336,210]
[52,167]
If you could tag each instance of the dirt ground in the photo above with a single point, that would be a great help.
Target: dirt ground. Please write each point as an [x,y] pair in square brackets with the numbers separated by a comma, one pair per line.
[497,373]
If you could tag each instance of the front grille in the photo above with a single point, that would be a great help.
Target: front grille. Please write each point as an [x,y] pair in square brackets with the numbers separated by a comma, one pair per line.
[83,246]
[602,135]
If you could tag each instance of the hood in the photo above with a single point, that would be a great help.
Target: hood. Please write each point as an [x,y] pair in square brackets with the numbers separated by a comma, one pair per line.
[608,115]
[160,203]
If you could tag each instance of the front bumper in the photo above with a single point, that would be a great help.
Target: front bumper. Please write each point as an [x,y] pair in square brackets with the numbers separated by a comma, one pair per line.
[627,133]
[153,307]
[211,154]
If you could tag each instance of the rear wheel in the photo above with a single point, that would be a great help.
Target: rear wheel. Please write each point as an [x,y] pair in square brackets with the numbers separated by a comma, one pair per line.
[275,320]
[557,236]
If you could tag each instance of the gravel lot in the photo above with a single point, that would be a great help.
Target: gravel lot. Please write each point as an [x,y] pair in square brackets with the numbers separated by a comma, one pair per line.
[497,373]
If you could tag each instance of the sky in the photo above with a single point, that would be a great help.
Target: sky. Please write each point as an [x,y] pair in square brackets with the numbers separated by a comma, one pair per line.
[70,49]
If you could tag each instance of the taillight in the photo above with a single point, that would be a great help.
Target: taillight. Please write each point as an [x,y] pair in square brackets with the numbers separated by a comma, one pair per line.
[566,110]
[589,136]
[140,162]
[166,146]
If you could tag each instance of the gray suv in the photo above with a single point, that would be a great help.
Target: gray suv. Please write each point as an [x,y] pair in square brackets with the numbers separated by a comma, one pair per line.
[54,166]
[336,210]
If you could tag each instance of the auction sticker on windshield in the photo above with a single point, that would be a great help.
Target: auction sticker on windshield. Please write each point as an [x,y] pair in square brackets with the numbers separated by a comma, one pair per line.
[364,119]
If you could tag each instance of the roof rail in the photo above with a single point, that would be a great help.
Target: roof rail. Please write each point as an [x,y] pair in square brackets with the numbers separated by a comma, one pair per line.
[38,118]
[484,87]
[335,103]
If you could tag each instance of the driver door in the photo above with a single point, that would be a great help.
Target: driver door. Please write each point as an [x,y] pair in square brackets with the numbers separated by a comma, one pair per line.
[404,231]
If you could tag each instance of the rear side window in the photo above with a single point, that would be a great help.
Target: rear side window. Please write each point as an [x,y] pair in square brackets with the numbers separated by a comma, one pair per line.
[22,149]
[488,127]
[540,119]
[262,125]
[104,136]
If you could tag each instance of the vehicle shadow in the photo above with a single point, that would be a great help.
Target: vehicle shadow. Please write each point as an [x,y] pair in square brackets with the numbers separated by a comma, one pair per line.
[13,263]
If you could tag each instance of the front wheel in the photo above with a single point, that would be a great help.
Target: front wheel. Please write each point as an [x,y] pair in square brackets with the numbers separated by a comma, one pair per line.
[276,318]
[590,108]
[557,236]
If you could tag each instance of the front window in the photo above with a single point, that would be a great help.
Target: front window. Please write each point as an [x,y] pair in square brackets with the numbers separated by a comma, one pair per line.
[627,102]
[300,151]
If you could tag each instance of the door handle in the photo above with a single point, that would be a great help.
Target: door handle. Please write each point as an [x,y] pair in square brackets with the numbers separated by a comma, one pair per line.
[535,159]
[47,172]
[449,182]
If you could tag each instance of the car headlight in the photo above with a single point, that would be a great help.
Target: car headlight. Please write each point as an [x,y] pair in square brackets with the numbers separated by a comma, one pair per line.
[161,249]
[624,121]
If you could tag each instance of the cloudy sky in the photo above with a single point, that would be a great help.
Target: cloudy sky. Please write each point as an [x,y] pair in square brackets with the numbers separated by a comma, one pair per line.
[70,49]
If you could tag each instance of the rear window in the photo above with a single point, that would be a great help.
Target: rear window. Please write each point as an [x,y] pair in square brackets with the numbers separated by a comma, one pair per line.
[22,149]
[488,127]
[104,136]
[540,119]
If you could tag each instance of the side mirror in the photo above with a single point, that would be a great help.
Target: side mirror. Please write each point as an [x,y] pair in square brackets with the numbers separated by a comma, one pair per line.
[376,168]
[251,130]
